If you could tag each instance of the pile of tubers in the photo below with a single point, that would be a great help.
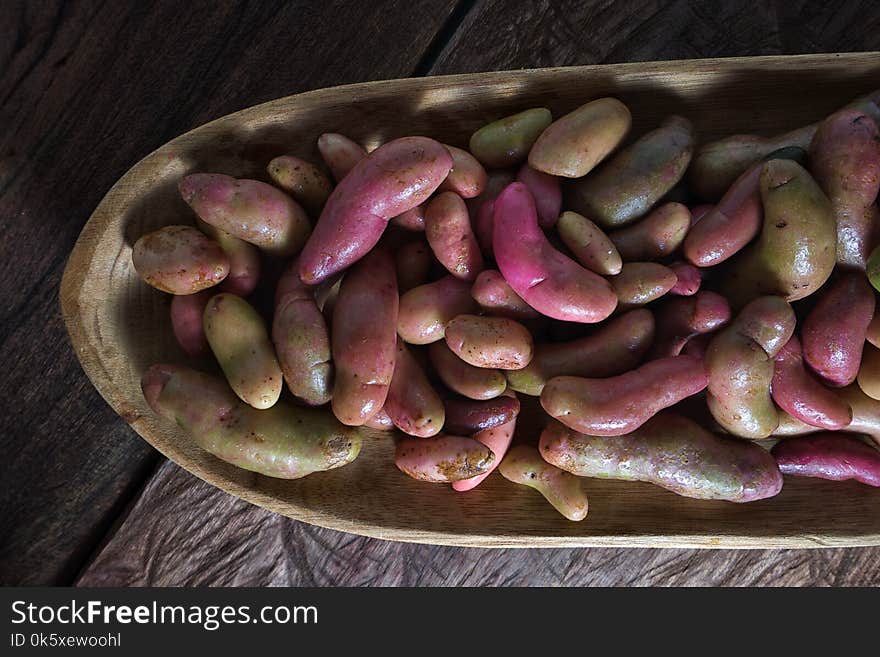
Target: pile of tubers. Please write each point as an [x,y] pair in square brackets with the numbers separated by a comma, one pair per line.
[670,304]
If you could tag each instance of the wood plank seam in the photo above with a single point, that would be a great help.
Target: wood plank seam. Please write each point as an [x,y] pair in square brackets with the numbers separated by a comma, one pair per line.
[444,35]
[114,519]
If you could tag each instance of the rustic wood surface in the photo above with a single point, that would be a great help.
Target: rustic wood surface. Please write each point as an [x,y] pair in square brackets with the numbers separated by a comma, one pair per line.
[85,91]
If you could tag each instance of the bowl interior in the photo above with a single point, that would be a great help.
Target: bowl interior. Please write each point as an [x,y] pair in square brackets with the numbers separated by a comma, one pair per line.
[119,326]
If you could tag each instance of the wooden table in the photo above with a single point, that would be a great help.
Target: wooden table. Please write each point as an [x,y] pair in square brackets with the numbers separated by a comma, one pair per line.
[87,88]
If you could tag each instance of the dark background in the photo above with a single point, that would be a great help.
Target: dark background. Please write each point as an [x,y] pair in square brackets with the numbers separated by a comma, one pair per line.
[87,88]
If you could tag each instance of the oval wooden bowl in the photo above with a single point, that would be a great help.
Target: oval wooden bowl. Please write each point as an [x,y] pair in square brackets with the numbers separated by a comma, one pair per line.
[119,325]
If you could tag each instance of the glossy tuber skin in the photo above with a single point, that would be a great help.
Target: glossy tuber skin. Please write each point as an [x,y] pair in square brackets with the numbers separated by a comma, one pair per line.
[866,412]
[718,164]
[872,268]
[467,177]
[443,458]
[575,143]
[869,370]
[615,348]
[240,341]
[413,219]
[845,159]
[618,405]
[250,210]
[179,260]
[186,322]
[473,382]
[427,309]
[381,421]
[284,441]
[700,211]
[482,208]
[363,338]
[800,395]
[412,403]
[630,183]
[672,452]
[873,333]
[340,153]
[656,236]
[590,246]
[302,341]
[496,181]
[833,456]
[681,318]
[524,465]
[449,234]
[497,439]
[833,333]
[688,279]
[490,342]
[466,417]
[304,181]
[727,227]
[546,279]
[869,104]
[795,252]
[546,191]
[244,261]
[739,362]
[394,178]
[496,297]
[639,283]
[865,416]
[507,141]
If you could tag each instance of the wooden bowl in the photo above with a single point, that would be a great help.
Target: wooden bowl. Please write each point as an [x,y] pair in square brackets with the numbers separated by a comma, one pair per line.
[119,325]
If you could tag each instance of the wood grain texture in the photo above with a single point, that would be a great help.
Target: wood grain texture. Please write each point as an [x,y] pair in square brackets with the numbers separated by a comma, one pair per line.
[494,35]
[86,89]
[185,532]
[120,326]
